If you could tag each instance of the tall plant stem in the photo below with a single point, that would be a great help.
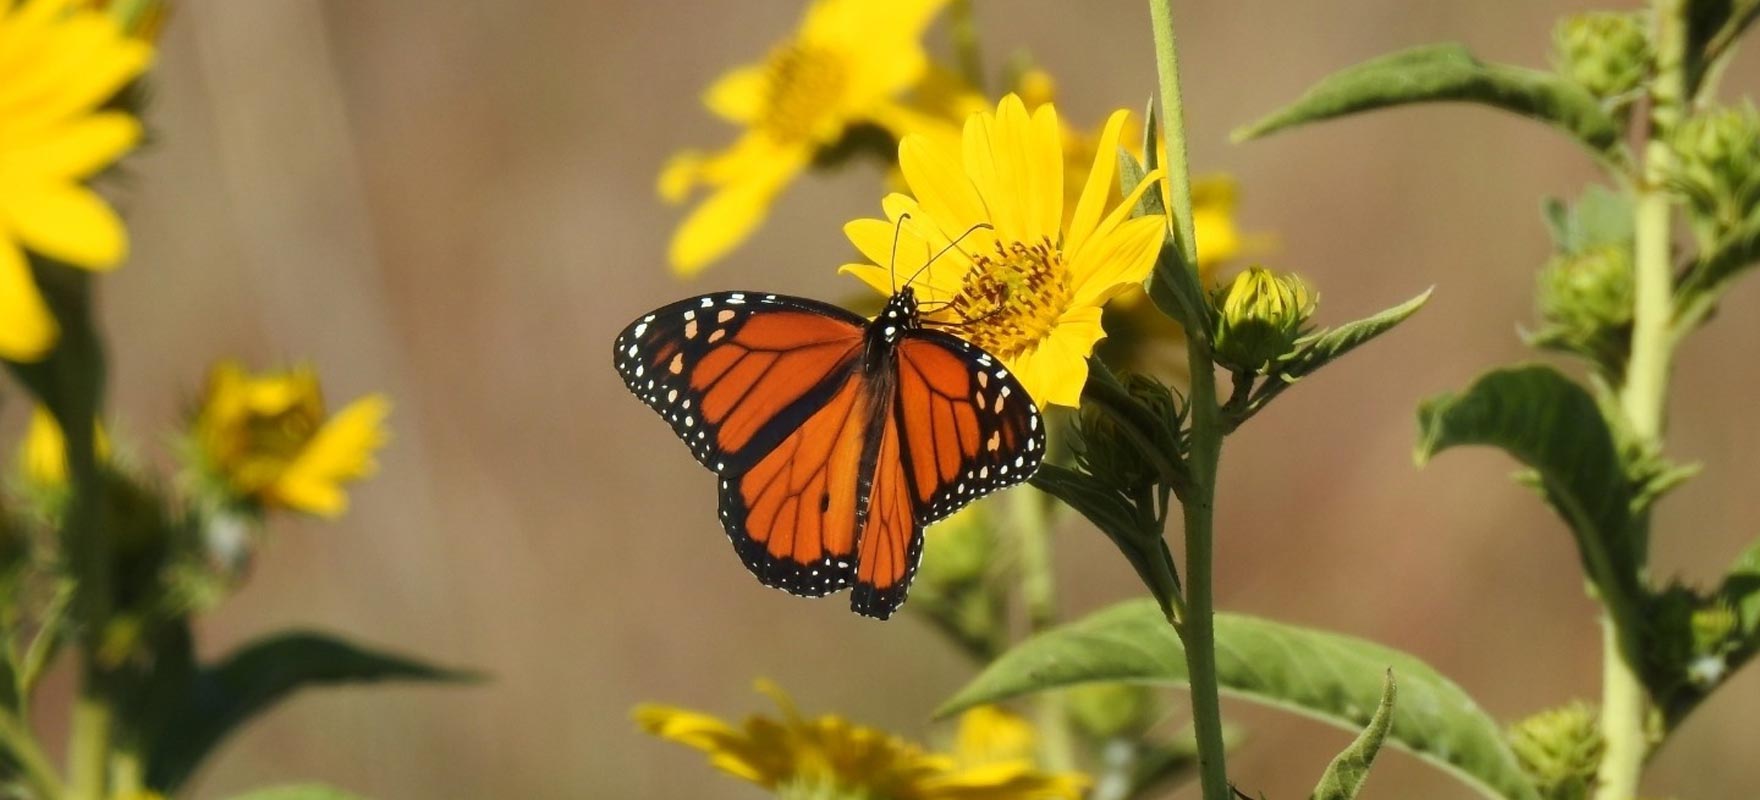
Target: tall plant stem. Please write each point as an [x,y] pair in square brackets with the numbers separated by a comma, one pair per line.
[1198,628]
[1643,395]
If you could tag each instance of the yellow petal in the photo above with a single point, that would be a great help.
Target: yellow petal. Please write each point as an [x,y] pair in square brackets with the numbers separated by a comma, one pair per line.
[1045,173]
[1092,204]
[1055,371]
[341,451]
[738,96]
[27,329]
[730,215]
[1122,258]
[940,184]
[65,221]
[74,150]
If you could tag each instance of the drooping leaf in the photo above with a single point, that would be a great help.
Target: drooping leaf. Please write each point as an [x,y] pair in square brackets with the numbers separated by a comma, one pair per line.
[1552,425]
[252,680]
[1345,776]
[1335,342]
[1448,72]
[303,791]
[1330,677]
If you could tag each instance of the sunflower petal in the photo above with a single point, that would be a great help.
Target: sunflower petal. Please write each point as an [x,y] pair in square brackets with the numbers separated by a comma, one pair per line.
[65,221]
[1120,259]
[1092,204]
[27,328]
[738,96]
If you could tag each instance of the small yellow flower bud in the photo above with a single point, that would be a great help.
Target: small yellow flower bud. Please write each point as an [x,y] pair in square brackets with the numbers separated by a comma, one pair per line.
[1560,750]
[1606,53]
[1262,316]
[1718,165]
[267,441]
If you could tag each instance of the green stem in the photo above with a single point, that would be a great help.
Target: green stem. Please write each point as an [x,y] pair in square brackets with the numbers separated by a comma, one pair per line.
[1039,594]
[1644,393]
[16,737]
[1173,128]
[1197,628]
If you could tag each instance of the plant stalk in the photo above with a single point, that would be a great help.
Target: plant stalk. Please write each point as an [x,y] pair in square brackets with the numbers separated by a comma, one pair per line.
[1644,393]
[1197,628]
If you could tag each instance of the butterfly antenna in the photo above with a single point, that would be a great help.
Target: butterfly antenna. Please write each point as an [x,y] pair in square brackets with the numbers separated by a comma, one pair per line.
[950,245]
[892,265]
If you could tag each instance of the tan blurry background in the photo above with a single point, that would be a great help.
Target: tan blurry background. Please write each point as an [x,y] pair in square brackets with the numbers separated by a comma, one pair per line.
[452,201]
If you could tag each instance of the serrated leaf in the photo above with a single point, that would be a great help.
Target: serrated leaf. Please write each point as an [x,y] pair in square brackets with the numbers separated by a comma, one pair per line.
[1330,677]
[1448,72]
[224,696]
[1345,776]
[1335,342]
[304,791]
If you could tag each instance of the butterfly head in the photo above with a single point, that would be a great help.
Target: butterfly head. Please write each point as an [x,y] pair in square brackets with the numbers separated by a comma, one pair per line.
[899,315]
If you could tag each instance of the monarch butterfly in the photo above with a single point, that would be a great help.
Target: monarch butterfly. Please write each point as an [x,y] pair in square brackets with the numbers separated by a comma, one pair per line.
[836,439]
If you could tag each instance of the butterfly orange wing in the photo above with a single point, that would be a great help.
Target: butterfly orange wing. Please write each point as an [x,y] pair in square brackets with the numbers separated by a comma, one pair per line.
[960,427]
[767,391]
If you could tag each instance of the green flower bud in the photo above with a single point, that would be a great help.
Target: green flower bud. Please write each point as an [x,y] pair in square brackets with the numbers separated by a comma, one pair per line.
[1560,750]
[1586,305]
[1105,450]
[1718,166]
[1606,53]
[1262,316]
[1113,710]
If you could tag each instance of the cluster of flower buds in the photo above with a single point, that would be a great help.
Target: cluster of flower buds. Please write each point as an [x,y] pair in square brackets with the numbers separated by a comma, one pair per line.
[1559,749]
[1585,301]
[1717,155]
[1608,53]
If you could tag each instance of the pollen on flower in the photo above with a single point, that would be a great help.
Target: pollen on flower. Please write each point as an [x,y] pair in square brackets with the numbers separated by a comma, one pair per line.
[802,89]
[1011,299]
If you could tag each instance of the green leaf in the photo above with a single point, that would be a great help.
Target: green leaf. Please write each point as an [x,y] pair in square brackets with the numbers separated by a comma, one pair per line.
[224,696]
[1329,345]
[1344,777]
[303,791]
[1742,589]
[1333,678]
[1601,217]
[1715,272]
[1448,72]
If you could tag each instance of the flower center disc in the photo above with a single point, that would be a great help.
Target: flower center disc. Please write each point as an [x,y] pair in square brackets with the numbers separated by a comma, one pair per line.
[1011,299]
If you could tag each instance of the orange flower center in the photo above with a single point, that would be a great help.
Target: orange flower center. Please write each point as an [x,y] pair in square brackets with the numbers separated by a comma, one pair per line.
[1012,298]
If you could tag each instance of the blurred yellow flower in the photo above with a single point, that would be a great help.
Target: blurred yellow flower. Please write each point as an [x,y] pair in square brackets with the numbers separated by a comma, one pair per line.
[844,66]
[267,439]
[60,64]
[142,19]
[829,757]
[43,458]
[1024,284]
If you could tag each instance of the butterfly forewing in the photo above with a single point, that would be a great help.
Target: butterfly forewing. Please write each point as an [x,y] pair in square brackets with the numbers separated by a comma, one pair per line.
[735,372]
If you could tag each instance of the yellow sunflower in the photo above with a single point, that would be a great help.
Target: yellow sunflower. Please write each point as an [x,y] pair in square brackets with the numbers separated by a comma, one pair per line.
[59,64]
[1022,283]
[268,441]
[830,757]
[43,457]
[845,66]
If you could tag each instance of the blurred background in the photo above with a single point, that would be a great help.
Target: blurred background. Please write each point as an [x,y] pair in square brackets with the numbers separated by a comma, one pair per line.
[453,202]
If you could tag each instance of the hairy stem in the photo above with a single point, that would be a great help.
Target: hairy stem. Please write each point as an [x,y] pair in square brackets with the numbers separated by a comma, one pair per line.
[1197,627]
[1644,393]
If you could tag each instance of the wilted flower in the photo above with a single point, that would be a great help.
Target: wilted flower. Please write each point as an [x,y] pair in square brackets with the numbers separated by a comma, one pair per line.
[1604,52]
[829,758]
[267,440]
[843,68]
[62,65]
[1022,284]
[1262,314]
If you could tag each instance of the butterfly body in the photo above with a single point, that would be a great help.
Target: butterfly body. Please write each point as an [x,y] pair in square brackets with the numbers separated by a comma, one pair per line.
[836,439]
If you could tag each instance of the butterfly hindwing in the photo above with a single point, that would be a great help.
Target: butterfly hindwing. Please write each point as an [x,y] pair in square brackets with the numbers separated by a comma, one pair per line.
[968,426]
[734,372]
